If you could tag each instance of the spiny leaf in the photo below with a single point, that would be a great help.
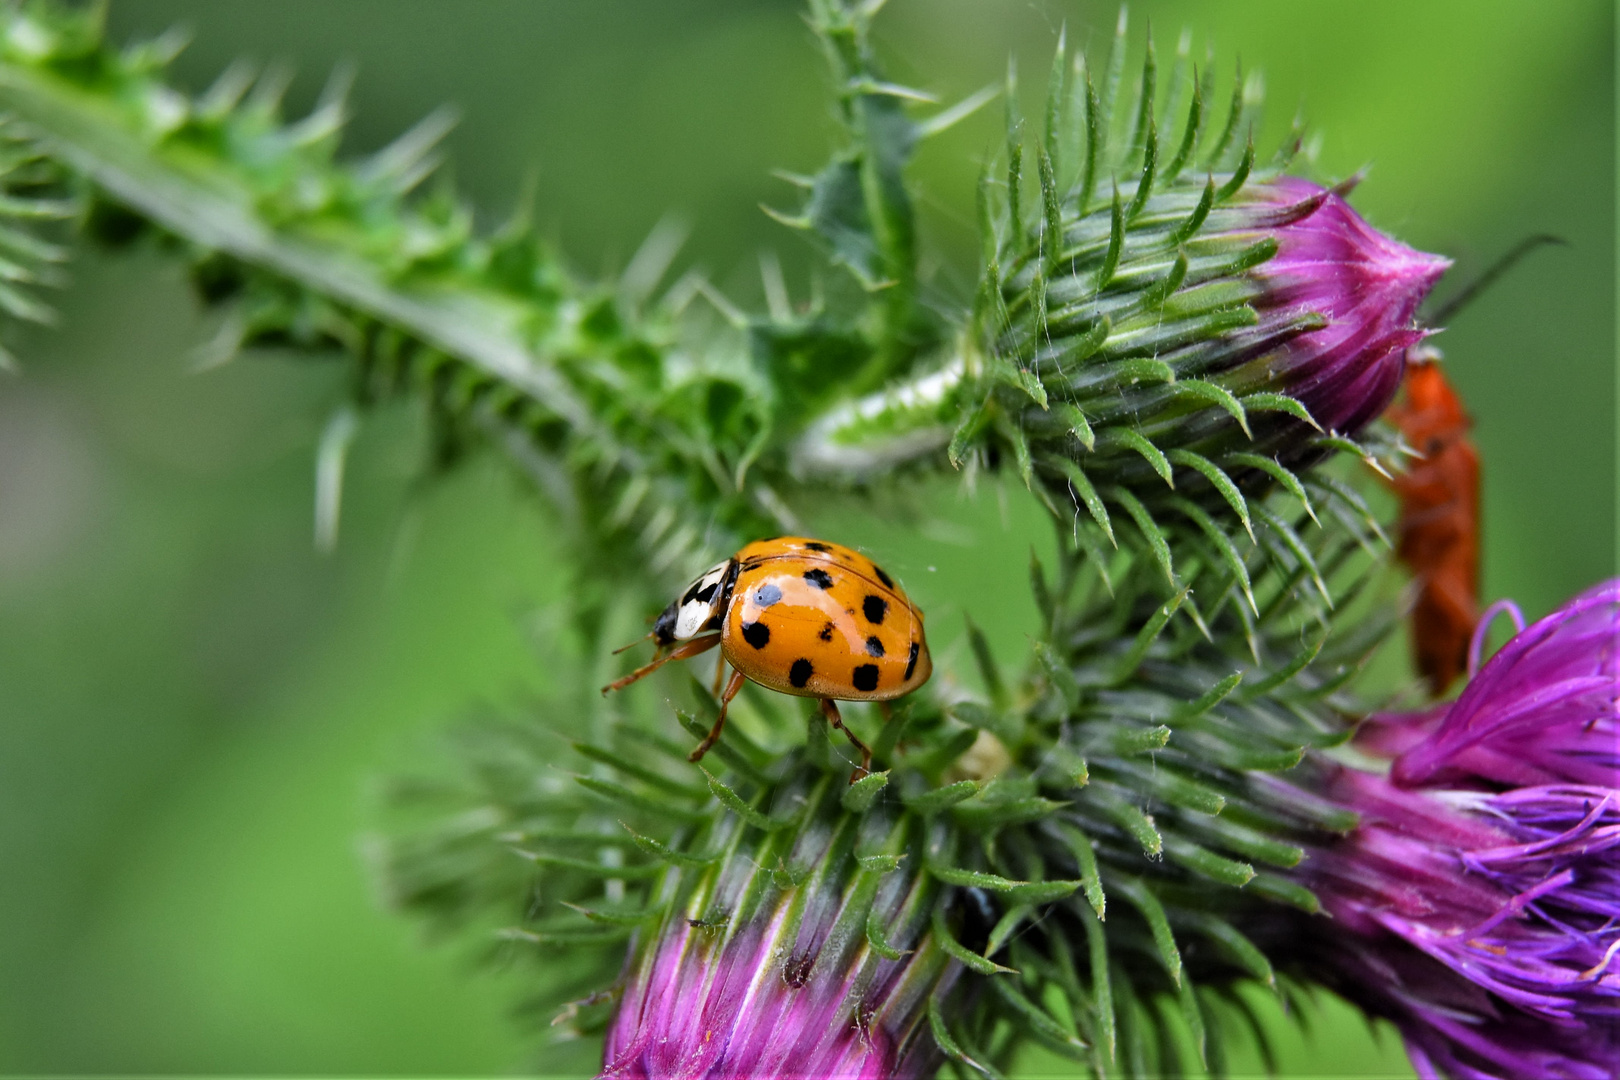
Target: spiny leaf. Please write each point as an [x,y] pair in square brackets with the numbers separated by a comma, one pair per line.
[1151,454]
[737,805]
[1195,220]
[1219,480]
[1217,396]
[1077,422]
[1203,861]
[989,671]
[1223,544]
[1150,531]
[1146,636]
[1152,912]
[934,800]
[1080,844]
[1283,476]
[961,953]
[671,855]
[1267,401]
[1080,487]
[859,796]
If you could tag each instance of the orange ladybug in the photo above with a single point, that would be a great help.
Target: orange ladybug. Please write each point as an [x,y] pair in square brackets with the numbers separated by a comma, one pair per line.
[1439,522]
[804,617]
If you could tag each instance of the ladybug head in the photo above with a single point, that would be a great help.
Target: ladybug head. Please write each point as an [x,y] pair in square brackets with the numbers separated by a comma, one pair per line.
[663,631]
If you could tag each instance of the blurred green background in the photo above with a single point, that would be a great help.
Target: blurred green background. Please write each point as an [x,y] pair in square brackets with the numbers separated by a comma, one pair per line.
[193,703]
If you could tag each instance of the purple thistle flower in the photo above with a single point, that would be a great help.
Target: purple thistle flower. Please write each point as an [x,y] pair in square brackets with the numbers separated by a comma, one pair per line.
[1477,903]
[753,976]
[1543,710]
[1365,284]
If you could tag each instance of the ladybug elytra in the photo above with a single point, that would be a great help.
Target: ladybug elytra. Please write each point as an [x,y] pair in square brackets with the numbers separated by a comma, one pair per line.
[803,617]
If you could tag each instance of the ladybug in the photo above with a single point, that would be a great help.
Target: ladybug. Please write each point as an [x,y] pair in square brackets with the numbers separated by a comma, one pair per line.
[803,617]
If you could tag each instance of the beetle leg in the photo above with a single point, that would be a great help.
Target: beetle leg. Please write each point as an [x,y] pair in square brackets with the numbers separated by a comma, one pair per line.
[829,709]
[680,652]
[720,722]
[719,671]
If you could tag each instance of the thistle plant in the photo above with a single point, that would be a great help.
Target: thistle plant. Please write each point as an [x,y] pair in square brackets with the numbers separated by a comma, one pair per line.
[1180,350]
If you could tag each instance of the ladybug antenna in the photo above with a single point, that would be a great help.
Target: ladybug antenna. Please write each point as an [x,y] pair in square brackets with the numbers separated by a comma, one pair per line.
[1471,291]
[633,644]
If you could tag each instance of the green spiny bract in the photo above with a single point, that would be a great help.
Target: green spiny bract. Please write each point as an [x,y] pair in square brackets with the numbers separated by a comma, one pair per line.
[1163,322]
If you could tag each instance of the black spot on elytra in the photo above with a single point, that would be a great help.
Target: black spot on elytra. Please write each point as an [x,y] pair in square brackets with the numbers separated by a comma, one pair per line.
[707,592]
[819,578]
[691,594]
[757,634]
[911,661]
[817,545]
[874,647]
[865,678]
[875,607]
[826,632]
[888,582]
[800,672]
[766,595]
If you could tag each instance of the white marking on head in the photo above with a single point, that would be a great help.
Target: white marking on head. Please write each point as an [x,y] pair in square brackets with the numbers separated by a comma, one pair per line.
[700,602]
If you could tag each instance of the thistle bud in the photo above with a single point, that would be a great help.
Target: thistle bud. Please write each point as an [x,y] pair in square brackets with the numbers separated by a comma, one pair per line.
[1477,903]
[790,956]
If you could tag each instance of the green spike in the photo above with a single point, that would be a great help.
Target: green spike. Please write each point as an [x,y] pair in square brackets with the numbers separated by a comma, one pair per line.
[1135,440]
[1056,94]
[1078,424]
[1086,858]
[1052,242]
[1193,1014]
[1195,220]
[1101,987]
[668,854]
[1223,546]
[878,942]
[936,800]
[1215,395]
[1144,130]
[1296,547]
[1280,889]
[1300,661]
[1113,75]
[1145,638]
[989,817]
[736,804]
[1203,861]
[1014,434]
[1253,844]
[1154,296]
[1142,898]
[1189,137]
[1173,787]
[1080,487]
[648,804]
[1239,175]
[1139,825]
[1283,476]
[966,432]
[616,916]
[1219,480]
[1351,498]
[1044,602]
[1127,741]
[1116,243]
[639,772]
[986,662]
[1234,117]
[595,869]
[1150,531]
[1041,1023]
[1206,701]
[1150,161]
[1239,948]
[860,795]
[1094,140]
[949,1046]
[961,953]
[1058,674]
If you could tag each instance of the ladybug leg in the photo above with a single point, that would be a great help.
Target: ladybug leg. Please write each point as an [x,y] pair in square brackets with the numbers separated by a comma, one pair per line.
[719,672]
[680,652]
[720,722]
[829,709]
